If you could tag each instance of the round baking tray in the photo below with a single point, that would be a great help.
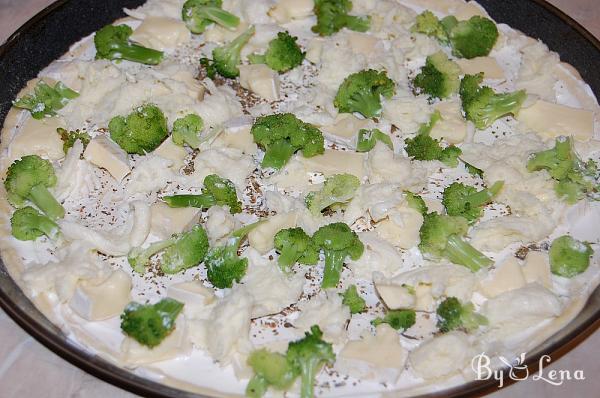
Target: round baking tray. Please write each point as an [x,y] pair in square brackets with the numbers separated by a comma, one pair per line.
[48,35]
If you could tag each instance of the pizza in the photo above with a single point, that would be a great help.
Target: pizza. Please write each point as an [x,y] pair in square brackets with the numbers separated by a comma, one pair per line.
[305,197]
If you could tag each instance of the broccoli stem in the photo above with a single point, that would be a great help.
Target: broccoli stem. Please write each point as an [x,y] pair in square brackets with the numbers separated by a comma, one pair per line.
[484,196]
[219,16]
[502,104]
[48,227]
[460,252]
[334,260]
[135,53]
[139,258]
[357,24]
[202,201]
[44,200]
[307,377]
[256,387]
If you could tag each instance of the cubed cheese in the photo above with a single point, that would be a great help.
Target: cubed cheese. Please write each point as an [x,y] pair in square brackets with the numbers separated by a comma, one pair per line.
[95,302]
[38,137]
[537,269]
[261,237]
[507,276]
[345,128]
[174,153]
[104,153]
[167,221]
[161,33]
[336,162]
[552,120]
[194,295]
[488,65]
[261,80]
[236,134]
[395,296]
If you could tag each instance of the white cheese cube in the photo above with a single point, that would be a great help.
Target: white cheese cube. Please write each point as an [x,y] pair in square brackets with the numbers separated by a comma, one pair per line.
[552,120]
[104,300]
[261,80]
[193,294]
[395,296]
[167,221]
[537,269]
[104,153]
[38,137]
[336,162]
[261,237]
[175,153]
[488,65]
[507,276]
[161,33]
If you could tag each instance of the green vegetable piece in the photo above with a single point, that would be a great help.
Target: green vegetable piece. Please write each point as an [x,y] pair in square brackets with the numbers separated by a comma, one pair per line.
[423,147]
[142,131]
[270,370]
[216,191]
[473,38]
[294,245]
[430,25]
[362,91]
[227,58]
[337,189]
[483,106]
[28,179]
[46,100]
[307,356]
[338,242]
[149,324]
[569,257]
[397,319]
[29,224]
[333,16]
[186,131]
[69,138]
[209,67]
[474,171]
[281,135]
[353,300]
[112,42]
[283,53]
[416,202]
[464,200]
[199,14]
[453,315]
[367,139]
[441,237]
[439,78]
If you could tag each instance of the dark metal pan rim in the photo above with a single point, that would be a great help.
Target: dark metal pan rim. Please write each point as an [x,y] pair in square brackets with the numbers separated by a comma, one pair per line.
[50,336]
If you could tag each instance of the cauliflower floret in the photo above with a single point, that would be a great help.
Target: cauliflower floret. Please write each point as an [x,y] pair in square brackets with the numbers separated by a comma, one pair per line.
[151,174]
[383,165]
[337,62]
[536,73]
[374,201]
[379,255]
[221,105]
[442,355]
[286,10]
[407,113]
[401,227]
[75,177]
[327,311]
[219,224]
[227,163]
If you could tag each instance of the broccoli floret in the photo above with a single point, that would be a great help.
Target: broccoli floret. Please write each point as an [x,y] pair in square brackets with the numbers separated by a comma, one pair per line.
[574,178]
[337,189]
[186,129]
[142,131]
[569,257]
[423,147]
[29,224]
[199,14]
[216,191]
[69,137]
[46,100]
[337,241]
[397,319]
[28,179]
[473,38]
[464,200]
[181,251]
[223,265]
[367,139]
[307,356]
[430,25]
[439,78]
[294,245]
[441,237]
[227,58]
[112,42]
[416,202]
[362,91]
[453,315]
[149,324]
[271,369]
[283,53]
[332,16]
[282,134]
[353,300]
[483,106]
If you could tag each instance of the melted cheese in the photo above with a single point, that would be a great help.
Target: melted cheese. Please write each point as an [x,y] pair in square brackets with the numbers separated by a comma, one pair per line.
[336,162]
[488,65]
[95,302]
[166,221]
[552,120]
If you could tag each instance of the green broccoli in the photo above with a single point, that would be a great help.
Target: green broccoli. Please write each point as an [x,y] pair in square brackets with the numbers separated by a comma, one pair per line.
[307,356]
[472,38]
[428,24]
[453,315]
[223,265]
[69,137]
[186,129]
[29,224]
[46,100]
[199,14]
[441,237]
[180,252]
[569,257]
[423,147]
[226,58]
[337,241]
[483,106]
[574,178]
[332,16]
[439,78]
[112,42]
[294,245]
[353,300]
[367,139]
[282,134]
[142,131]
[149,324]
[362,91]
[282,54]
[209,67]
[337,189]
[416,202]
[271,369]
[216,191]
[28,179]
[464,200]
[474,171]
[397,319]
